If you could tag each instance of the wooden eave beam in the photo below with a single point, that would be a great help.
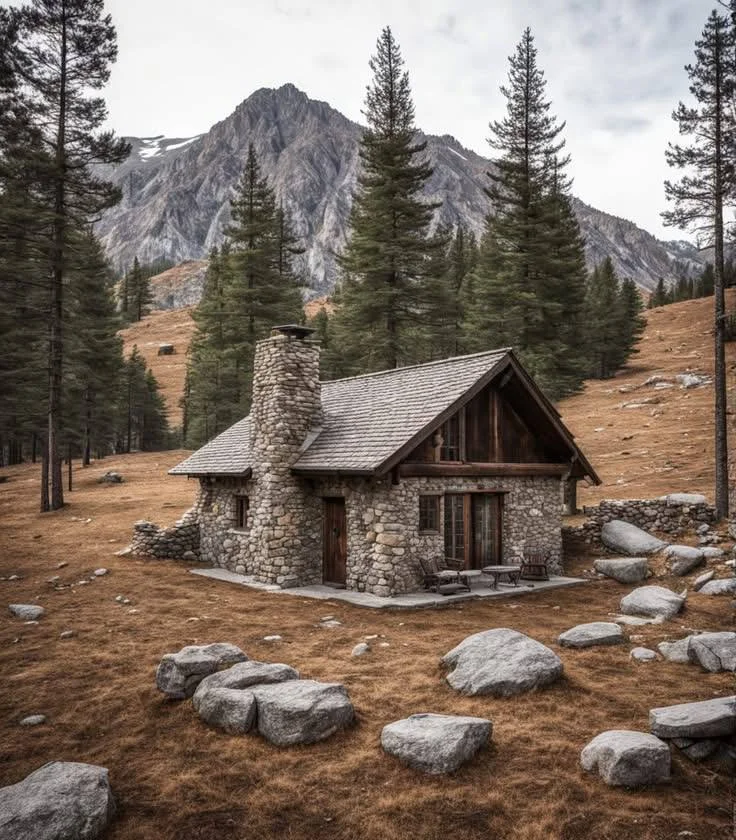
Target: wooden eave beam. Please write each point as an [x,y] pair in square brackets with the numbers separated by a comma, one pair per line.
[455,470]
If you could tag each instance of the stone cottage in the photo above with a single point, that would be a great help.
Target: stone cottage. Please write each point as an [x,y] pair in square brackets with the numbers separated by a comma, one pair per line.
[350,482]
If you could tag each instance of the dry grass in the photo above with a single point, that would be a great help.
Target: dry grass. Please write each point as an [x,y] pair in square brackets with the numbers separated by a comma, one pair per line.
[175,778]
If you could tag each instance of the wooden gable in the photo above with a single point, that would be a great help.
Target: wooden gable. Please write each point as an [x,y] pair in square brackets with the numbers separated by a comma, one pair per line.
[502,424]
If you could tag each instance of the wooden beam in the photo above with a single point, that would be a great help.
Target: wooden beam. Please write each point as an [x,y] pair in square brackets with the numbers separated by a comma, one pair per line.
[456,470]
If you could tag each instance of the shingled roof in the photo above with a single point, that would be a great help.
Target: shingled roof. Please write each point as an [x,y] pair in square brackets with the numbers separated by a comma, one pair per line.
[370,419]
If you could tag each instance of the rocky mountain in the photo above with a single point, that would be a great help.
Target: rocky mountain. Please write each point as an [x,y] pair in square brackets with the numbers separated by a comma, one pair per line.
[176,192]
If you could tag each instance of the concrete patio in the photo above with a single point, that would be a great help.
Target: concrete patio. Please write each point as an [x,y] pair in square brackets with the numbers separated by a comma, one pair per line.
[481,588]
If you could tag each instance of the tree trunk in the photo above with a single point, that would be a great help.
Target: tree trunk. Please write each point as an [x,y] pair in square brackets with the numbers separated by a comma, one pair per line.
[57,284]
[69,461]
[44,477]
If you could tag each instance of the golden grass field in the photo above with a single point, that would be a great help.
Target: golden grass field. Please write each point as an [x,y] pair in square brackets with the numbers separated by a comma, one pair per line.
[176,779]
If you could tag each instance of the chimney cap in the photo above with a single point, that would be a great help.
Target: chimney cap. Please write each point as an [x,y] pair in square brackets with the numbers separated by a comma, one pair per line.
[293,331]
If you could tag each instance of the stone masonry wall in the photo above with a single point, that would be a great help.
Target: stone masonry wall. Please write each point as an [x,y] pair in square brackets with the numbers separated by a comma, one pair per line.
[664,515]
[384,543]
[178,542]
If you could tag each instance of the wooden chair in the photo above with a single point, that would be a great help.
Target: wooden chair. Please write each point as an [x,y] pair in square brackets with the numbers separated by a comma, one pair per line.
[443,581]
[534,564]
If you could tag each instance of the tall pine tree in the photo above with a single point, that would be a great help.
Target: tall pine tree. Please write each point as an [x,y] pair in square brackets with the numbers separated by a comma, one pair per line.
[699,196]
[382,295]
[530,281]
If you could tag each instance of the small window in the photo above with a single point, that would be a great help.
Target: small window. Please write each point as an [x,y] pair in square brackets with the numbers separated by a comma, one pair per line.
[429,514]
[450,450]
[241,511]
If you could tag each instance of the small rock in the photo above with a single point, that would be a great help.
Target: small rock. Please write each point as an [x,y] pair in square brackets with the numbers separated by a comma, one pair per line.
[594,633]
[33,720]
[652,601]
[119,599]
[110,478]
[701,580]
[62,565]
[179,674]
[100,572]
[436,743]
[124,551]
[715,652]
[675,651]
[272,638]
[623,569]
[14,577]
[627,759]
[332,623]
[66,634]
[29,612]
[704,719]
[722,586]
[642,654]
[360,649]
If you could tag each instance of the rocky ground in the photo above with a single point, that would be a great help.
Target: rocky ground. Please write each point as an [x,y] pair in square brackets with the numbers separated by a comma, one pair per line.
[89,665]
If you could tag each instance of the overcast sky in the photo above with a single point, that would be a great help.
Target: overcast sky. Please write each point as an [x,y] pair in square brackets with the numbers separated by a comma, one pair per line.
[614,69]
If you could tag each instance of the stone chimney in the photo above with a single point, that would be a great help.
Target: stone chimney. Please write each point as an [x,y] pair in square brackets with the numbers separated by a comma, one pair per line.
[286,406]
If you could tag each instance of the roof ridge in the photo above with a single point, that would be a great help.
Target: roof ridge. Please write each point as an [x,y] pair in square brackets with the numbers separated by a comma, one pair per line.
[420,365]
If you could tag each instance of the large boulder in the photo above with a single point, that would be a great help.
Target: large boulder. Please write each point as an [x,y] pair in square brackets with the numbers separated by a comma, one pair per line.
[63,800]
[714,651]
[705,719]
[302,711]
[627,759]
[223,701]
[436,743]
[28,612]
[722,586]
[594,633]
[625,538]
[179,674]
[623,569]
[652,602]
[685,499]
[502,663]
[683,558]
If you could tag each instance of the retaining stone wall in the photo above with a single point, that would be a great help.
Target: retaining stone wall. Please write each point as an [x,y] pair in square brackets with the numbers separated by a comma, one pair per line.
[178,542]
[661,515]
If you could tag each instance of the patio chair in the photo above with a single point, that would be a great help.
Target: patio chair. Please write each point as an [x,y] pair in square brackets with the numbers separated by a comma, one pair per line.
[534,564]
[443,581]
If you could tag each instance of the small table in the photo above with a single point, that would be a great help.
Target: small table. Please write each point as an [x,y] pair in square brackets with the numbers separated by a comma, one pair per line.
[512,572]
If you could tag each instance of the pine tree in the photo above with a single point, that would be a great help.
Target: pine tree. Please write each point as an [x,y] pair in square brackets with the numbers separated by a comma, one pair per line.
[603,320]
[530,280]
[381,299]
[65,51]
[251,286]
[633,324]
[699,196]
[138,294]
[659,295]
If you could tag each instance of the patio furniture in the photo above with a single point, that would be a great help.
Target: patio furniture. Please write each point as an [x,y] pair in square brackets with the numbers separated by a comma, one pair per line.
[534,564]
[443,581]
[513,573]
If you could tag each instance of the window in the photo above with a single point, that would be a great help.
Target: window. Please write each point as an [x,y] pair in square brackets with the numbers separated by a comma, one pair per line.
[241,511]
[429,513]
[450,450]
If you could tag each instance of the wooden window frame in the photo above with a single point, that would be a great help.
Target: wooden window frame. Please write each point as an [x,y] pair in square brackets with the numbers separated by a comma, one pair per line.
[458,418]
[242,508]
[429,513]
[466,504]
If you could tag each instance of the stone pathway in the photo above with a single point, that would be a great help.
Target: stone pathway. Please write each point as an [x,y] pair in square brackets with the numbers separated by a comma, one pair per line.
[412,600]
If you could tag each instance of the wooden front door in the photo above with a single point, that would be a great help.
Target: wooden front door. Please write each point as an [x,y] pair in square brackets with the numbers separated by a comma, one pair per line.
[334,542]
[473,530]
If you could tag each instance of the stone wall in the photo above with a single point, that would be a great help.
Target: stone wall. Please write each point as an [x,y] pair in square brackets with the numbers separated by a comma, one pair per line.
[179,542]
[674,515]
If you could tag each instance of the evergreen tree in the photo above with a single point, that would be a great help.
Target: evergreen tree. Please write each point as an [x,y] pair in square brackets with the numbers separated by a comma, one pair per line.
[633,324]
[250,286]
[530,281]
[382,296]
[138,294]
[699,196]
[64,51]
[659,295]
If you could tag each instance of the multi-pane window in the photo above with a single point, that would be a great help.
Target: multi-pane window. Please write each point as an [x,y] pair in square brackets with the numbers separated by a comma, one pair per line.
[450,450]
[241,511]
[429,513]
[455,530]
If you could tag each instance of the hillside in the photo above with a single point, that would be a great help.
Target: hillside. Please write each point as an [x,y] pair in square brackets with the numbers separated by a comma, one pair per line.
[176,193]
[665,444]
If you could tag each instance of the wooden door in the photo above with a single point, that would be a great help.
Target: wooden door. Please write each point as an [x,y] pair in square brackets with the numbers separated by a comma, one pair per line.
[486,530]
[473,529]
[334,542]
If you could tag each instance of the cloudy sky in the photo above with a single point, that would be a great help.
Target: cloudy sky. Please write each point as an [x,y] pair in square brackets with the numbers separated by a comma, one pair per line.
[614,69]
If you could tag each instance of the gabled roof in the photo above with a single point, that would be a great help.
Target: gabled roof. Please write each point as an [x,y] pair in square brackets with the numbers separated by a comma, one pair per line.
[373,421]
